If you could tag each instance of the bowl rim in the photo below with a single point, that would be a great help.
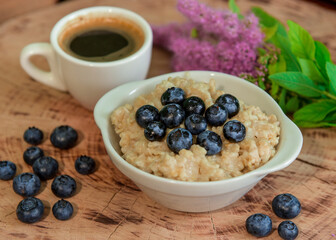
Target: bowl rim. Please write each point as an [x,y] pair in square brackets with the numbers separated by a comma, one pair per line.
[259,172]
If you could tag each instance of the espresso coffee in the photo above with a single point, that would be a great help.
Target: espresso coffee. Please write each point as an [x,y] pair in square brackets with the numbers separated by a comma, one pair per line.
[101,39]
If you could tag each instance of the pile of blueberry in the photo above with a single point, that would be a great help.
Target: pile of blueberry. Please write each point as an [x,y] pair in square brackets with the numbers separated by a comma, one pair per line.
[27,184]
[177,108]
[285,206]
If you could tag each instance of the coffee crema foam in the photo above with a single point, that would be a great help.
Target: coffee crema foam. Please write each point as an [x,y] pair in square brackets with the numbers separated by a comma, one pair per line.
[82,33]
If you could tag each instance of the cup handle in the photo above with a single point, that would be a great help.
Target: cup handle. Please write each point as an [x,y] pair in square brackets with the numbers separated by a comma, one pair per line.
[48,78]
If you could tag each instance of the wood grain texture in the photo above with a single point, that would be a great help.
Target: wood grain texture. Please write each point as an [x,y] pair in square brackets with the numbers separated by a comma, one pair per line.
[108,205]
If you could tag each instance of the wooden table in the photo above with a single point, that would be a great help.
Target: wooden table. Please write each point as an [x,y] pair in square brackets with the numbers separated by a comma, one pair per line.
[110,206]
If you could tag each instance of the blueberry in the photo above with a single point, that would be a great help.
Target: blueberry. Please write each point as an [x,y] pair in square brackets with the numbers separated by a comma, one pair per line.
[64,137]
[172,115]
[26,184]
[63,186]
[193,105]
[216,115]
[173,95]
[33,136]
[62,210]
[45,167]
[230,102]
[85,165]
[7,170]
[286,206]
[211,141]
[146,114]
[234,131]
[195,124]
[179,139]
[30,210]
[288,230]
[32,154]
[155,131]
[259,225]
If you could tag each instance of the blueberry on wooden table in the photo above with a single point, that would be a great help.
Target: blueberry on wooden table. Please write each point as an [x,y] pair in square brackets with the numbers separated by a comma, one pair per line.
[64,137]
[288,230]
[216,115]
[179,139]
[32,154]
[259,225]
[230,102]
[172,115]
[33,136]
[195,124]
[286,206]
[62,210]
[85,165]
[7,170]
[30,210]
[64,186]
[193,105]
[173,95]
[234,131]
[146,114]
[45,167]
[26,184]
[211,141]
[155,131]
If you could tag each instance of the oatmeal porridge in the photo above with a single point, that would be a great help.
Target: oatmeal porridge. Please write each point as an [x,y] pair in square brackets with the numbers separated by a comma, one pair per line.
[234,158]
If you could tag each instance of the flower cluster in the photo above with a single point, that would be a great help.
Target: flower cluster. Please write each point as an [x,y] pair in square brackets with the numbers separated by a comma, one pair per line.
[213,39]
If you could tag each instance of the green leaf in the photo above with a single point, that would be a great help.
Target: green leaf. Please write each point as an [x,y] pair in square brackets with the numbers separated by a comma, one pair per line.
[307,124]
[322,56]
[282,100]
[331,117]
[282,42]
[293,104]
[269,31]
[297,82]
[194,33]
[315,112]
[235,9]
[274,89]
[279,66]
[302,43]
[309,69]
[331,71]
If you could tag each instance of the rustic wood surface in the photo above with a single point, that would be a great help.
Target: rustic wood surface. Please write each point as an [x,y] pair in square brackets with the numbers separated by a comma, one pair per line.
[107,204]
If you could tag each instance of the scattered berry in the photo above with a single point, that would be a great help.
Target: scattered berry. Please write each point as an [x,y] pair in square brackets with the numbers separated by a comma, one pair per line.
[30,210]
[26,184]
[32,154]
[85,165]
[234,131]
[173,95]
[172,115]
[286,206]
[259,225]
[230,102]
[7,170]
[288,230]
[195,124]
[63,186]
[45,167]
[216,115]
[193,105]
[62,210]
[179,139]
[211,141]
[64,137]
[146,114]
[155,131]
[33,136]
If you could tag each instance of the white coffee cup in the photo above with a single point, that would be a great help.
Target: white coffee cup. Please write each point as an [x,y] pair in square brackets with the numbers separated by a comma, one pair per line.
[87,81]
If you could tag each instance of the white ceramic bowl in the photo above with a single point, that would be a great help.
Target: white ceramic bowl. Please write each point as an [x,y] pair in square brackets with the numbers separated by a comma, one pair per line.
[197,196]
